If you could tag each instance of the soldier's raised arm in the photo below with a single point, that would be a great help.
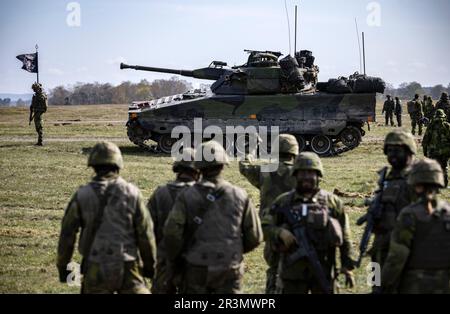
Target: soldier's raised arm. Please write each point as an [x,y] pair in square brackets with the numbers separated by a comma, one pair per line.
[145,237]
[70,225]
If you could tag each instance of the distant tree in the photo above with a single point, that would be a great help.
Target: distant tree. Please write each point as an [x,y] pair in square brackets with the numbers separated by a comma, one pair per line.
[161,88]
[390,90]
[59,96]
[437,90]
[20,103]
[5,102]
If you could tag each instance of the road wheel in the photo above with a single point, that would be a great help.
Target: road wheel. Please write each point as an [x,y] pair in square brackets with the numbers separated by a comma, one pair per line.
[321,144]
[301,143]
[350,137]
[165,143]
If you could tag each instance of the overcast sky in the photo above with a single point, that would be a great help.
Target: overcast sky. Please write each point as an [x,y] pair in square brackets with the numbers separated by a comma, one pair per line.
[406,40]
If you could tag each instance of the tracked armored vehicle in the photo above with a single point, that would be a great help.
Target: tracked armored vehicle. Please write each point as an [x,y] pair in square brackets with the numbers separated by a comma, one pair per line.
[265,91]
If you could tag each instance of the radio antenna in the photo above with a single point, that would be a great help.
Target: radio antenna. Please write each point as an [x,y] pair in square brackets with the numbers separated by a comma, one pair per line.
[295,36]
[359,46]
[364,53]
[288,24]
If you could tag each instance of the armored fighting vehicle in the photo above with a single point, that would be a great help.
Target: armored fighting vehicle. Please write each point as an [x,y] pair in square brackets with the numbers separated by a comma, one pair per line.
[265,91]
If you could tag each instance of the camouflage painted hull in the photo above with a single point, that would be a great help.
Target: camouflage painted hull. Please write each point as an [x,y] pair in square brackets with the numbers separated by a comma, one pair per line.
[321,121]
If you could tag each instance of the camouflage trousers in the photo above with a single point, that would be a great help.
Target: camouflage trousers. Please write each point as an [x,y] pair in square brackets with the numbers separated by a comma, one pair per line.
[399,120]
[443,161]
[212,279]
[160,283]
[272,258]
[39,125]
[389,117]
[416,123]
[128,280]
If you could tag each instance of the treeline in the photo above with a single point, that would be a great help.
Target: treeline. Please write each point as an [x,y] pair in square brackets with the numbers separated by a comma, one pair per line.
[408,90]
[96,93]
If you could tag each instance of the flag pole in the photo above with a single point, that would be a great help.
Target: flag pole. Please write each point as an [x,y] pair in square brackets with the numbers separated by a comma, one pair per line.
[37,63]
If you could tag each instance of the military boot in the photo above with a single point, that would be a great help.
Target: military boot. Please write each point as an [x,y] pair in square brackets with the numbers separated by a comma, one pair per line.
[39,142]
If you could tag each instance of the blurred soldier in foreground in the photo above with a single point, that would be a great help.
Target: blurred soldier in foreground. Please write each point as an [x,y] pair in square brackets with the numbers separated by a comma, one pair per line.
[306,225]
[444,104]
[388,110]
[272,185]
[436,142]
[398,111]
[428,107]
[393,194]
[416,113]
[37,109]
[116,229]
[211,226]
[160,204]
[419,254]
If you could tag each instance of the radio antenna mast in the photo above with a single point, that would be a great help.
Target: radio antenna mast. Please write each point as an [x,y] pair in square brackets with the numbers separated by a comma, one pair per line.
[359,46]
[289,27]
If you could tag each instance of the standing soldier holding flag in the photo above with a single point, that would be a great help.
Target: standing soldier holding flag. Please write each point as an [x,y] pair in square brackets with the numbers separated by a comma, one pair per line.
[39,101]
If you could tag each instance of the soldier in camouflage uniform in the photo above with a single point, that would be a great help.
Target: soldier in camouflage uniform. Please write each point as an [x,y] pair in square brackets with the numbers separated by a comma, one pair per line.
[436,142]
[400,149]
[388,110]
[327,227]
[428,107]
[38,108]
[398,111]
[416,113]
[444,104]
[211,226]
[272,185]
[419,254]
[116,229]
[159,205]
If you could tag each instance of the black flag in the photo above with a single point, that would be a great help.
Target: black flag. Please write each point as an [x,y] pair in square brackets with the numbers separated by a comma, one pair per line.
[30,62]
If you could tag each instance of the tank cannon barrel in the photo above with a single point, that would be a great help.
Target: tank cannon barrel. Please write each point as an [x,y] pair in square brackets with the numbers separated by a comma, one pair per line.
[210,73]
[153,69]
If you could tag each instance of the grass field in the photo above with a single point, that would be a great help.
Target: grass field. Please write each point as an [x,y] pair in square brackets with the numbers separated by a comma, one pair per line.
[36,184]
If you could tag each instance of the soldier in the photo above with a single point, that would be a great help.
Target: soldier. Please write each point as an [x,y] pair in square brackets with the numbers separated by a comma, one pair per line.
[398,111]
[37,109]
[306,225]
[436,142]
[428,107]
[419,254]
[159,205]
[444,104]
[388,110]
[416,114]
[400,148]
[210,227]
[272,185]
[116,229]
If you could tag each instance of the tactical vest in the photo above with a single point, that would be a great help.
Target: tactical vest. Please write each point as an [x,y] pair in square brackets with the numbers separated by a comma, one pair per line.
[115,239]
[39,102]
[431,244]
[275,183]
[216,217]
[324,231]
[396,195]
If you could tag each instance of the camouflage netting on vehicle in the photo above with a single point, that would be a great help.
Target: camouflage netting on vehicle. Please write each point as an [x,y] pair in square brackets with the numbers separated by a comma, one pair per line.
[356,83]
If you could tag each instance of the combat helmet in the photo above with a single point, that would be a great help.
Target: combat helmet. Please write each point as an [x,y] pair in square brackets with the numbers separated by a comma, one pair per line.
[440,114]
[427,171]
[444,96]
[36,86]
[105,153]
[287,144]
[308,161]
[210,154]
[186,160]
[399,137]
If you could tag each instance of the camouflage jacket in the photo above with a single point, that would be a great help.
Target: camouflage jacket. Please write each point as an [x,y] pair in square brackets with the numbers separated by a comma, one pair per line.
[39,102]
[419,260]
[388,106]
[436,141]
[212,223]
[416,112]
[125,229]
[444,105]
[274,221]
[270,184]
[160,204]
[398,108]
[428,109]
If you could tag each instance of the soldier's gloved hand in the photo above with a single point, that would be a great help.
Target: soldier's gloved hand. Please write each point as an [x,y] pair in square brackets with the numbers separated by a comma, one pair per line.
[287,238]
[349,278]
[63,273]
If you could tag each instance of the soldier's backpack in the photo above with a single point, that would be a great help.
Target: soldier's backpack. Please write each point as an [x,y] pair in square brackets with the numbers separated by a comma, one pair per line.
[411,107]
